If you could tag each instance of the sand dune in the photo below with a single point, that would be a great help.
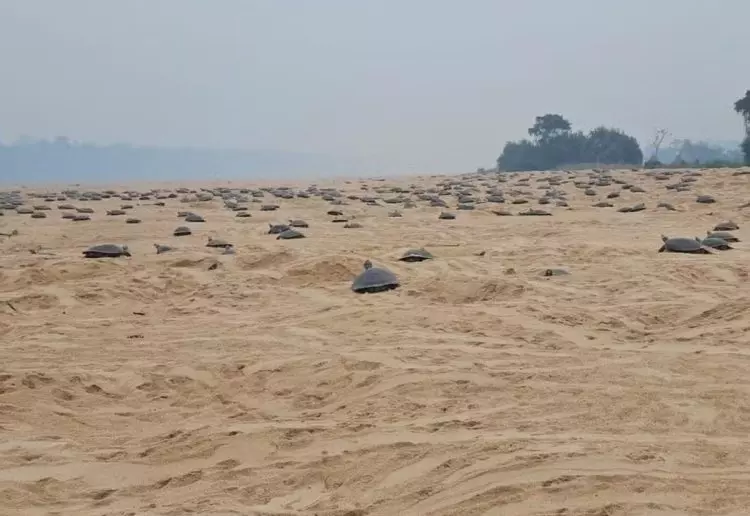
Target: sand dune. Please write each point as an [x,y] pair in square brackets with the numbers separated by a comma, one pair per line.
[192,382]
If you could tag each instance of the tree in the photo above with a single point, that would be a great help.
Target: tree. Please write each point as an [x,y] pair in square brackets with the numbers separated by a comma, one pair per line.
[742,107]
[518,156]
[548,126]
[555,145]
[605,145]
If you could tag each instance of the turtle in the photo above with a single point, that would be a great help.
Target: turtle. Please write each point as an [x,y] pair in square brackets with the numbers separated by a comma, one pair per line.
[217,242]
[555,272]
[194,217]
[182,231]
[728,225]
[289,234]
[682,245]
[352,225]
[79,218]
[502,213]
[132,220]
[275,229]
[416,255]
[715,243]
[106,251]
[115,212]
[446,216]
[162,248]
[667,206]
[705,199]
[724,235]
[298,223]
[374,279]
[535,212]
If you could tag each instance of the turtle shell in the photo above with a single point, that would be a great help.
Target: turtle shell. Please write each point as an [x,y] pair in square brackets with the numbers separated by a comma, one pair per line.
[724,235]
[375,279]
[716,243]
[289,234]
[105,250]
[217,242]
[682,245]
[416,255]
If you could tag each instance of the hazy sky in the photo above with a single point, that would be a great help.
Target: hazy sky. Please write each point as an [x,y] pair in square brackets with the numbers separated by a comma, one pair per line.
[423,85]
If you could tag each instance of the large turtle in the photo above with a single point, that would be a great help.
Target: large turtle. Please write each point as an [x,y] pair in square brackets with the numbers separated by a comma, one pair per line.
[728,225]
[416,255]
[106,251]
[194,217]
[715,243]
[682,245]
[289,234]
[275,229]
[160,248]
[217,242]
[374,279]
[724,235]
[182,231]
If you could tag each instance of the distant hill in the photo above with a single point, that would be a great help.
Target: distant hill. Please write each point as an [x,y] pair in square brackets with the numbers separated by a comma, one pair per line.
[40,161]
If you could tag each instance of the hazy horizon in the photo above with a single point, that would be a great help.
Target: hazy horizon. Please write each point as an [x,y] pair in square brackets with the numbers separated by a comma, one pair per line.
[412,87]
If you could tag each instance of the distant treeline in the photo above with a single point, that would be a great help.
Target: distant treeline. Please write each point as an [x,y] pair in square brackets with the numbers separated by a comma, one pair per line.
[553,144]
[61,160]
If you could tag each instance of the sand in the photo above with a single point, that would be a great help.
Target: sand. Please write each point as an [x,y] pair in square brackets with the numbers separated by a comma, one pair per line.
[153,385]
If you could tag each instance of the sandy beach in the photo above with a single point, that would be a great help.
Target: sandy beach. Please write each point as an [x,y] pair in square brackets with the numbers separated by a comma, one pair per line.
[192,382]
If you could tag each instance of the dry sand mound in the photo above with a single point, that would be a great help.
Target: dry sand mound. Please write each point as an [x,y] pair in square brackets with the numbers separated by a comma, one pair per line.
[195,383]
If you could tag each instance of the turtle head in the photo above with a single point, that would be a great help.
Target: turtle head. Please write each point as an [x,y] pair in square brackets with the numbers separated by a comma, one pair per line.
[697,239]
[368,264]
[664,238]
[708,233]
[125,248]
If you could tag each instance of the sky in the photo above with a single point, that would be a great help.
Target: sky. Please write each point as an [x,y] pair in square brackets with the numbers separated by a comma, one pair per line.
[432,86]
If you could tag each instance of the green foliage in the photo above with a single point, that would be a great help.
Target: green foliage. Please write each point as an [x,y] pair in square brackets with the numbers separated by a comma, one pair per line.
[742,106]
[745,146]
[548,126]
[555,145]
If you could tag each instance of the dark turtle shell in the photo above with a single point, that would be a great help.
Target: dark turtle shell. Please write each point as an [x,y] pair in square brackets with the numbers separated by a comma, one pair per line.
[106,251]
[724,235]
[276,229]
[194,217]
[728,225]
[682,245]
[416,255]
[289,234]
[715,243]
[374,279]
[182,231]
[217,242]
